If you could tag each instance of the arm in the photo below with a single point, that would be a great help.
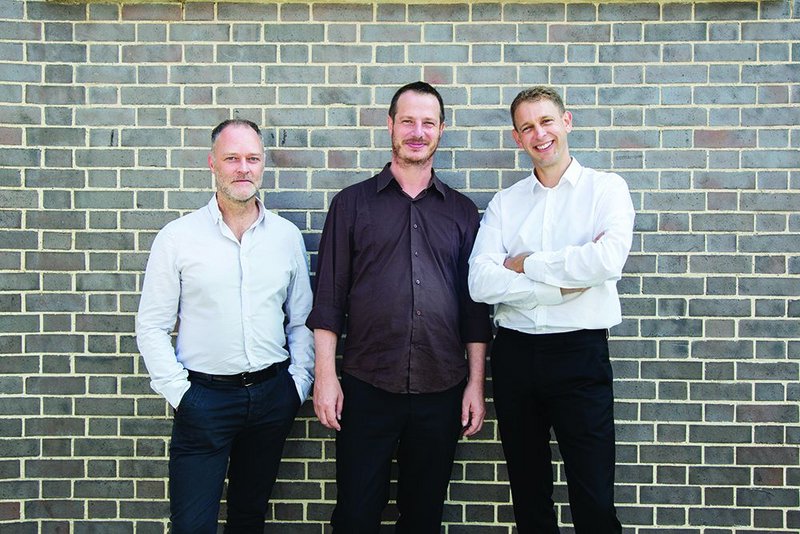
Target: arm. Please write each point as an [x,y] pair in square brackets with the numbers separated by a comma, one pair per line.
[598,261]
[155,321]
[299,338]
[490,281]
[328,315]
[473,409]
[328,397]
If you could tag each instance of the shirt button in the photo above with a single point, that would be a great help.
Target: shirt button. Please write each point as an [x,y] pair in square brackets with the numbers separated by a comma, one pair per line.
[416,282]
[416,253]
[415,225]
[419,313]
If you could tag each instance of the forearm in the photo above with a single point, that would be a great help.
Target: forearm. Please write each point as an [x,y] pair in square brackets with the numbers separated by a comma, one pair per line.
[328,397]
[493,283]
[325,349]
[476,360]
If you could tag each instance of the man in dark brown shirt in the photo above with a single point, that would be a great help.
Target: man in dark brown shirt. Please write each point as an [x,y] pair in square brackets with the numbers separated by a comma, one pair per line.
[392,272]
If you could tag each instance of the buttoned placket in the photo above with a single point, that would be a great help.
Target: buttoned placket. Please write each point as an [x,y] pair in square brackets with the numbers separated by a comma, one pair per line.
[246,273]
[540,312]
[416,282]
[246,270]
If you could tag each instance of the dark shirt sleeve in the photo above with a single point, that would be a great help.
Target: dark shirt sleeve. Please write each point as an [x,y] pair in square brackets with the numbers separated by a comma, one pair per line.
[474,324]
[333,270]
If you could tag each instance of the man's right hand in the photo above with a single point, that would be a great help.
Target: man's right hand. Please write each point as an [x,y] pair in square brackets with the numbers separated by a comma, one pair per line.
[328,401]
[568,290]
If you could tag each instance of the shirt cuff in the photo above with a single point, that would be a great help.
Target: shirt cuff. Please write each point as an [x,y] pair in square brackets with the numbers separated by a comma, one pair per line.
[533,265]
[174,392]
[302,386]
[547,295]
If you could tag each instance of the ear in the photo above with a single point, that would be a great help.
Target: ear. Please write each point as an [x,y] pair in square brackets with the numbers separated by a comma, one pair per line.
[389,123]
[567,121]
[211,161]
[517,138]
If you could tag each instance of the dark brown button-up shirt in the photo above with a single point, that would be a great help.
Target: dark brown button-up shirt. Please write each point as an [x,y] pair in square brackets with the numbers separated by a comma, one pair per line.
[393,271]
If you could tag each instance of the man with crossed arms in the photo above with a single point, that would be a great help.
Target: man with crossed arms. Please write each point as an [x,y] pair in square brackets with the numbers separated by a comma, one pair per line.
[548,254]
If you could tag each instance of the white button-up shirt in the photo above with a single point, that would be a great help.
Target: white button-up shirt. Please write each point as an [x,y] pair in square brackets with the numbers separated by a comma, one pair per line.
[559,227]
[239,306]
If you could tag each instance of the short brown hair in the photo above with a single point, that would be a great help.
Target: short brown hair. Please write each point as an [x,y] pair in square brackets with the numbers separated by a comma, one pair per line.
[534,94]
[421,88]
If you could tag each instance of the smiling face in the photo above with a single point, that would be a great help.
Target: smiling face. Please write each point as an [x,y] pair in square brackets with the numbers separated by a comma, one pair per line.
[541,130]
[415,128]
[237,163]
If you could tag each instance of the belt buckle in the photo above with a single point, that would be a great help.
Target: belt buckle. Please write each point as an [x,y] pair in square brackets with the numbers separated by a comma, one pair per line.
[246,379]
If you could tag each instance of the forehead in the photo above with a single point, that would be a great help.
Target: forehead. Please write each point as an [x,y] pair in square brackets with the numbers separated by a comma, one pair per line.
[238,137]
[412,103]
[536,109]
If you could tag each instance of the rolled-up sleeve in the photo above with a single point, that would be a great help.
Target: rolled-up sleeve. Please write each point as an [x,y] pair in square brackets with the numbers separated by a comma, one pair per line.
[334,269]
[299,338]
[474,323]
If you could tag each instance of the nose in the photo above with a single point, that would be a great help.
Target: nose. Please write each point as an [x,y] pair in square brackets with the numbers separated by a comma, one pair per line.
[418,129]
[244,168]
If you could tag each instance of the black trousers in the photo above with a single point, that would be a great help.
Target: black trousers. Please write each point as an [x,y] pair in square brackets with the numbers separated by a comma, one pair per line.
[222,429]
[564,382]
[422,428]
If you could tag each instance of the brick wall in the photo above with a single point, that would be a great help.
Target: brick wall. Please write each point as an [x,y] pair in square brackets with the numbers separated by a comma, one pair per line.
[105,114]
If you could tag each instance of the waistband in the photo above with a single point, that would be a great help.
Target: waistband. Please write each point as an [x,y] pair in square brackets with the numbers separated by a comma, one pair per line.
[241,379]
[573,335]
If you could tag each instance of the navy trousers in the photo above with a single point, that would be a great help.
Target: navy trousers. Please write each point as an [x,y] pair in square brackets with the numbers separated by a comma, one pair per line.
[424,430]
[564,382]
[224,428]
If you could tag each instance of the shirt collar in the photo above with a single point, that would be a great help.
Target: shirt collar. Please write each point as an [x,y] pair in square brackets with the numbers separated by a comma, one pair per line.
[385,177]
[216,214]
[572,175]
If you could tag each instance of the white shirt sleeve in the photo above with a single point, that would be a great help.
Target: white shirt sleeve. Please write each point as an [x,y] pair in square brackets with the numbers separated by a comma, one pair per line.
[155,321]
[298,337]
[596,262]
[490,282]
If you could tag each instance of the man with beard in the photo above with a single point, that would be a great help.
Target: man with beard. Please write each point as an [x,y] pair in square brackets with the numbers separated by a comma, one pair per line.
[549,253]
[392,272]
[234,276]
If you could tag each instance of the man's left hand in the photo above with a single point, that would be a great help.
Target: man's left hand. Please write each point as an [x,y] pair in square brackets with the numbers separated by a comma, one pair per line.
[473,409]
[516,263]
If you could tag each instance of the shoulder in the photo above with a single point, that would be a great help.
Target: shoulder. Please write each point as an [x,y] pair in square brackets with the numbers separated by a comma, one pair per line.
[459,199]
[514,190]
[280,225]
[188,224]
[603,178]
[354,192]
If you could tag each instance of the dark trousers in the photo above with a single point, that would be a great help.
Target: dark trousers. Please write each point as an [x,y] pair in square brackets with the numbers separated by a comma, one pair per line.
[219,428]
[423,428]
[564,382]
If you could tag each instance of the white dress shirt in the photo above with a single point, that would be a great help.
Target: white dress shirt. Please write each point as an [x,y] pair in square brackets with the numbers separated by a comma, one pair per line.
[238,305]
[559,227]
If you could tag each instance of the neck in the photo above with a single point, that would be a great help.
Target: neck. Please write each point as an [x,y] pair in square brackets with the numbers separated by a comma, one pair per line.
[238,216]
[411,177]
[550,176]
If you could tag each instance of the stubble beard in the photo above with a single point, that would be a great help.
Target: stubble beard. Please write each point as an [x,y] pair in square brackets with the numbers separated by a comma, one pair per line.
[227,191]
[416,160]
